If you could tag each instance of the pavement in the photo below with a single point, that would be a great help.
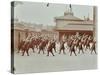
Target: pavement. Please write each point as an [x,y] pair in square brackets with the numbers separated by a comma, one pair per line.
[60,62]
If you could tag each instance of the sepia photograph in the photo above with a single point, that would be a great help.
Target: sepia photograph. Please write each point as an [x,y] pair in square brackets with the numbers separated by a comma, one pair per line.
[52,37]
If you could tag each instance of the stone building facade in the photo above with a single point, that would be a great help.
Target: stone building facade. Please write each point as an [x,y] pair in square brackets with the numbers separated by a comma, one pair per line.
[69,24]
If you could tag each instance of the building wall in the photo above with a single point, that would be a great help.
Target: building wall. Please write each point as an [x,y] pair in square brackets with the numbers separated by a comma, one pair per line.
[18,36]
[76,27]
[71,27]
[62,23]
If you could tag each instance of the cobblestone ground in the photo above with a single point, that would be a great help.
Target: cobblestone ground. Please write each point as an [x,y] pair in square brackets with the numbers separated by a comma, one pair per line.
[60,62]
